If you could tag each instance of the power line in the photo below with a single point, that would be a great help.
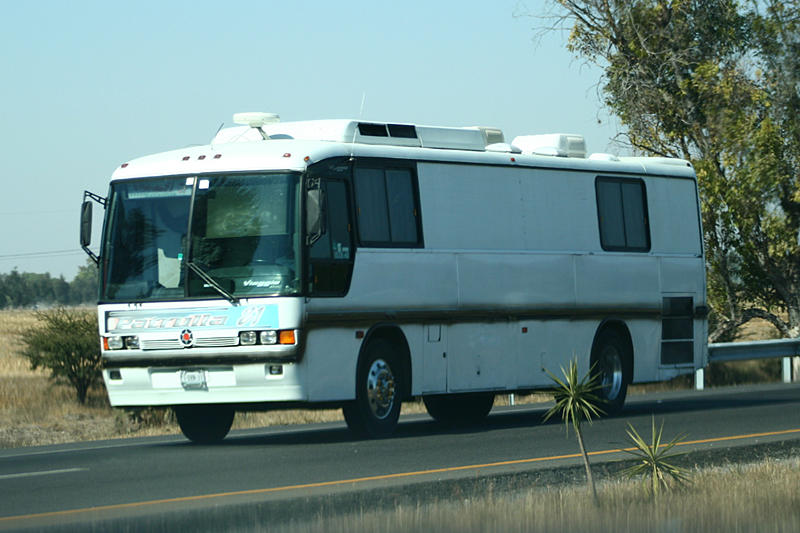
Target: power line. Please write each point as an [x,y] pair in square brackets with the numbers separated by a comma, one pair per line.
[52,253]
[39,212]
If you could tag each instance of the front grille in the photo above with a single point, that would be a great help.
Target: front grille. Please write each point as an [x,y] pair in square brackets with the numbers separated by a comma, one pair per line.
[176,344]
[161,344]
[216,342]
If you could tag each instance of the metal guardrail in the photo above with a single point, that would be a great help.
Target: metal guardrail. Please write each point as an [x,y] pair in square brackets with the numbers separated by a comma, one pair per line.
[742,351]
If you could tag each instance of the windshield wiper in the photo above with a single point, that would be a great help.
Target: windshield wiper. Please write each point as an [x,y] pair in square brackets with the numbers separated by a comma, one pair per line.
[202,274]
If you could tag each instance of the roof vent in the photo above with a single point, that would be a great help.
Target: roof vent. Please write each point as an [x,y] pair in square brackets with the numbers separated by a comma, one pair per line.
[490,135]
[503,147]
[599,156]
[555,144]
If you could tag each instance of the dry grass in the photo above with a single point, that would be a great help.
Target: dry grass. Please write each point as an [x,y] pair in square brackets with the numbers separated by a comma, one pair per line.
[35,411]
[758,497]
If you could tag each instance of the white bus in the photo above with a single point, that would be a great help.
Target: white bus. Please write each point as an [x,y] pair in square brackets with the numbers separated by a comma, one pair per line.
[360,264]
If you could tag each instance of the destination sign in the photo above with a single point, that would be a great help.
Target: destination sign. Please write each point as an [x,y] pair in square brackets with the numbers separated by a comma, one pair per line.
[243,316]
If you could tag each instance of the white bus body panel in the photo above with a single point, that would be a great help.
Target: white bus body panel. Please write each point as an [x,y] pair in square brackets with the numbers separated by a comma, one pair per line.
[512,279]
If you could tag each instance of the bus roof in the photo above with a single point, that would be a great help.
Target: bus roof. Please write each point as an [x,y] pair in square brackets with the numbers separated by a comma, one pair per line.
[295,145]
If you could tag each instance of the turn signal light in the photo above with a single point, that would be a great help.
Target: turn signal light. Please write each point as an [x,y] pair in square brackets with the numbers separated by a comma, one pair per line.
[286,336]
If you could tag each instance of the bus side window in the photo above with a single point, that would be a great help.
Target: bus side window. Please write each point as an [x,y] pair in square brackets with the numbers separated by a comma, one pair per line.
[622,214]
[331,255]
[386,207]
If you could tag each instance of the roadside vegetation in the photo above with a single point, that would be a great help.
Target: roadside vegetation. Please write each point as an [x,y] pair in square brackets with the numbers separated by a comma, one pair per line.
[752,497]
[575,401]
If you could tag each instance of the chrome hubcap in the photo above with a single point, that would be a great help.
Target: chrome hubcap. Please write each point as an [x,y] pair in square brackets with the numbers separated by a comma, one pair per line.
[610,369]
[380,389]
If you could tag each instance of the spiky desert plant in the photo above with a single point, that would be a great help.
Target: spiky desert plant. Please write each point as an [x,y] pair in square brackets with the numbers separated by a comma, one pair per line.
[576,401]
[654,461]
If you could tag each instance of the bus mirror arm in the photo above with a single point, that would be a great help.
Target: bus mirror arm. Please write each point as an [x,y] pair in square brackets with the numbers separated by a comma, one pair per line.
[315,215]
[86,222]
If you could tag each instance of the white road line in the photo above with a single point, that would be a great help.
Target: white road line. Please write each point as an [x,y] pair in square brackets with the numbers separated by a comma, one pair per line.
[43,473]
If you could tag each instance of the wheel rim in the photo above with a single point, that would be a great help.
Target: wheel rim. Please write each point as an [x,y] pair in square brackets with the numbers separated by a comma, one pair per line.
[610,372]
[380,389]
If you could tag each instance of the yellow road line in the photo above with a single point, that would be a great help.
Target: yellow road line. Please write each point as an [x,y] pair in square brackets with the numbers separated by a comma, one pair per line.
[370,478]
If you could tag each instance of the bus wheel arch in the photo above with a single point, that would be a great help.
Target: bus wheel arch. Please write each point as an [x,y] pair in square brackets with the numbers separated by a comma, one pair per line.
[383,380]
[395,336]
[612,360]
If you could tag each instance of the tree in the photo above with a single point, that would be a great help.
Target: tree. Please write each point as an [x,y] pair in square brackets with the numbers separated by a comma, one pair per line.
[714,82]
[83,288]
[576,401]
[66,342]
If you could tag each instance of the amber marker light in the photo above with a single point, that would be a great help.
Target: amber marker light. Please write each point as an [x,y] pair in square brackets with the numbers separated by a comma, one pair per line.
[286,336]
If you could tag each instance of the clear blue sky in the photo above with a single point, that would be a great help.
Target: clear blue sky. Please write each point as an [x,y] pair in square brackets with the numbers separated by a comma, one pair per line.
[89,85]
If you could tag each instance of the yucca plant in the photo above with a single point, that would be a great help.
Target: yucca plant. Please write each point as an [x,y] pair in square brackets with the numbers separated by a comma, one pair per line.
[654,464]
[576,401]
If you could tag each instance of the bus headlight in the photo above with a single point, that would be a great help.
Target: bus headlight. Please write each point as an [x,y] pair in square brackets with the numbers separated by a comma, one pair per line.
[247,338]
[113,343]
[132,342]
[269,337]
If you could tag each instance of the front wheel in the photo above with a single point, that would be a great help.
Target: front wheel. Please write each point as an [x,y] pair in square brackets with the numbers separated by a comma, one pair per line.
[610,358]
[204,424]
[379,386]
[459,409]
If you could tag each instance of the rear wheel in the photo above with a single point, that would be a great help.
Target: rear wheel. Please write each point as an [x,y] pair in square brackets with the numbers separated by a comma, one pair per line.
[610,360]
[204,424]
[379,386]
[459,409]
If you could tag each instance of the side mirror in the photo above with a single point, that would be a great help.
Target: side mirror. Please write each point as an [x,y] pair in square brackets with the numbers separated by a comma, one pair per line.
[86,224]
[86,221]
[315,214]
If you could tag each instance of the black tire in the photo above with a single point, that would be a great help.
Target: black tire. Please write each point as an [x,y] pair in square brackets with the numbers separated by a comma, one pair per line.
[204,424]
[459,409]
[611,361]
[379,392]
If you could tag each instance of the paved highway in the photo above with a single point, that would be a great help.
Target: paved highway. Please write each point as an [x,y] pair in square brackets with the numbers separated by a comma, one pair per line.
[90,481]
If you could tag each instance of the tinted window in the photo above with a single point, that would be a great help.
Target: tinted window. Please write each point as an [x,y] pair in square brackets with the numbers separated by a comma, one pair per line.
[331,264]
[386,207]
[622,214]
[373,217]
[402,219]
[335,242]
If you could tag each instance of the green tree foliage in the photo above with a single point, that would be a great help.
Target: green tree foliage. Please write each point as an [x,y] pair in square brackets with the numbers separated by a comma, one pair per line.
[66,342]
[575,401]
[26,289]
[715,82]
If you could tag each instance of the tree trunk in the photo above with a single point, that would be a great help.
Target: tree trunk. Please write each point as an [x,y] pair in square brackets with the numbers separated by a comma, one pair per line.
[589,478]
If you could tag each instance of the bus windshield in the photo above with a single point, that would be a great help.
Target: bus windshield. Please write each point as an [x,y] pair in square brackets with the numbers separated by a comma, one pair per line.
[239,230]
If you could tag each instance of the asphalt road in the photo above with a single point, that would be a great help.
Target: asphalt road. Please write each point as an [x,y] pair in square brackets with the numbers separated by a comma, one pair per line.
[87,482]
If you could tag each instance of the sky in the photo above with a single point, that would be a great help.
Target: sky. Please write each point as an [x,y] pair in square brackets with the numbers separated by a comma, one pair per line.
[87,86]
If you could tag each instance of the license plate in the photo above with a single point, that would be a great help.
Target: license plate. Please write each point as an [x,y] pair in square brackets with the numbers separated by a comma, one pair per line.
[194,379]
